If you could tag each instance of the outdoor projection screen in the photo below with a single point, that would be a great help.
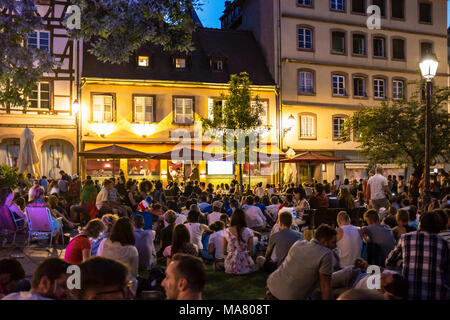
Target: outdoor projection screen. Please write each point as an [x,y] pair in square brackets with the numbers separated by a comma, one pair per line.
[219,167]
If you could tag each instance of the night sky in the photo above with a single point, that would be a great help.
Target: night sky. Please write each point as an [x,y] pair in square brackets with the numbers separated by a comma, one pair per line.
[212,10]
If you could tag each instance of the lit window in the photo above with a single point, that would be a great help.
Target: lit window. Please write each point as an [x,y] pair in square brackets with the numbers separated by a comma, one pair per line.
[102,108]
[143,109]
[143,61]
[40,96]
[263,115]
[184,110]
[180,63]
[307,126]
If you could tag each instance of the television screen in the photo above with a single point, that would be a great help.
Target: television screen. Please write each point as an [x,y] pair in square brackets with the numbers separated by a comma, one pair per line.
[219,167]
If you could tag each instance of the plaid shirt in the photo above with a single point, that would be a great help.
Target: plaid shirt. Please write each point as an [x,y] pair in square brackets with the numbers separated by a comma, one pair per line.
[425,263]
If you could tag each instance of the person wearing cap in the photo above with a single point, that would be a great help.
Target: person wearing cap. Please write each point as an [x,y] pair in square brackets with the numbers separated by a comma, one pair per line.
[215,215]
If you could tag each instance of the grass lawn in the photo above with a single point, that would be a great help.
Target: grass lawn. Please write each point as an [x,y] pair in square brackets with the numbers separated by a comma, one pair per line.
[222,286]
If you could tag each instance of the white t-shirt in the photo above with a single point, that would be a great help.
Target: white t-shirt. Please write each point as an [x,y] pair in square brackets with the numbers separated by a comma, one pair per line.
[127,254]
[102,196]
[254,217]
[259,192]
[377,183]
[216,239]
[213,217]
[337,184]
[196,234]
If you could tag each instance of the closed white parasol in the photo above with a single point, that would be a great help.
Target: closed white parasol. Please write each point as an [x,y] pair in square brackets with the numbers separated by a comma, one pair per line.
[28,155]
[290,169]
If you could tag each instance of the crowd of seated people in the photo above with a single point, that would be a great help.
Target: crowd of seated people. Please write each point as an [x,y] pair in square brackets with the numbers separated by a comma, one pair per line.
[123,232]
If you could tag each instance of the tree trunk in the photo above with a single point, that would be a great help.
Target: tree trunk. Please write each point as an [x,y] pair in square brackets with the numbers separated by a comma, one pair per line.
[418,171]
[241,178]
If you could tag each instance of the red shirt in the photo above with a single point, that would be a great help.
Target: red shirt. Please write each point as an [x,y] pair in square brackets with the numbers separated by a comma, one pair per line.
[74,250]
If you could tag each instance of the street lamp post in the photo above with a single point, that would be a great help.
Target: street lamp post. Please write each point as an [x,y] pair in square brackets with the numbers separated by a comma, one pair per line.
[76,110]
[428,68]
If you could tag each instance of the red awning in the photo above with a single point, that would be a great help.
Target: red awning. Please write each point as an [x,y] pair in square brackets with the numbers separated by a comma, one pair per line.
[312,158]
[114,151]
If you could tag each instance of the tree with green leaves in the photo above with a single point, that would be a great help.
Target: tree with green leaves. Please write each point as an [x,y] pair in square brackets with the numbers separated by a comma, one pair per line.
[395,131]
[21,66]
[236,120]
[116,28]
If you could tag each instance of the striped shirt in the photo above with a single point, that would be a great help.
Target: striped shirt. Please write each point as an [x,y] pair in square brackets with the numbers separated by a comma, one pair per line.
[425,263]
[446,235]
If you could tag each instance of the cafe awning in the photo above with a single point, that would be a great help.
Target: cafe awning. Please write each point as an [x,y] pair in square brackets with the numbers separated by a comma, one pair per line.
[312,158]
[114,151]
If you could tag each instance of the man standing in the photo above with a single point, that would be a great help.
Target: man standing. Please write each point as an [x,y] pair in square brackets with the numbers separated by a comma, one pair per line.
[185,278]
[336,185]
[377,188]
[308,265]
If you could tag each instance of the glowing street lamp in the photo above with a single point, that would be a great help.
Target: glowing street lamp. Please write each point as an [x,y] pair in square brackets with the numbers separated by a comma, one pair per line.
[428,68]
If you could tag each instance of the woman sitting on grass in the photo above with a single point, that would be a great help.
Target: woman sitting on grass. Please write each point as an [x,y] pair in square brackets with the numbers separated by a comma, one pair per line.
[180,243]
[237,245]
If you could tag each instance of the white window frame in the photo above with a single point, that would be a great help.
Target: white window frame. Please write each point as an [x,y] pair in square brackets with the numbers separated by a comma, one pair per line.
[307,126]
[302,32]
[187,118]
[338,5]
[339,86]
[305,3]
[396,89]
[38,38]
[148,105]
[379,84]
[146,59]
[263,115]
[39,99]
[100,115]
[303,87]
[339,127]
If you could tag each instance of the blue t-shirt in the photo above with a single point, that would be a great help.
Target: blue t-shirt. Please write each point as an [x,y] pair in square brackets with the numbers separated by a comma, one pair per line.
[44,183]
[261,206]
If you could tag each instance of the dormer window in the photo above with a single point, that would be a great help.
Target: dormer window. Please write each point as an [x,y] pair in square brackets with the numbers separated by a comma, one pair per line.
[143,61]
[217,64]
[180,63]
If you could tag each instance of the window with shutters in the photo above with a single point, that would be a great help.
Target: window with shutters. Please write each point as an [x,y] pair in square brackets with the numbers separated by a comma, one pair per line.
[308,123]
[143,106]
[183,110]
[103,107]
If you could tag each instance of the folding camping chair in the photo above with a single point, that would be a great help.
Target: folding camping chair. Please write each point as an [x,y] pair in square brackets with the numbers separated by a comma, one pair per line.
[40,223]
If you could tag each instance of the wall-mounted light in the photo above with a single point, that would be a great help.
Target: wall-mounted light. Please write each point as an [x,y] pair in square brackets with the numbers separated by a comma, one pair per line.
[289,124]
[324,167]
[76,107]
[102,129]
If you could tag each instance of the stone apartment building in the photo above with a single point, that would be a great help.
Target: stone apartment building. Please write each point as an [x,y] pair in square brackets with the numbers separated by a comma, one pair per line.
[327,62]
